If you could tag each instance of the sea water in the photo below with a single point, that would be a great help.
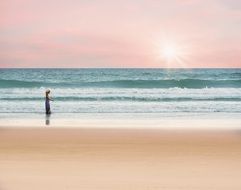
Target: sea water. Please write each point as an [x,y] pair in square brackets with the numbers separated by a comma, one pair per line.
[170,91]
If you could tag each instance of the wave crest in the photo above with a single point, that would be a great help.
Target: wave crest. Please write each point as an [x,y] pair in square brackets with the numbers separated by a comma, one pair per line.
[168,83]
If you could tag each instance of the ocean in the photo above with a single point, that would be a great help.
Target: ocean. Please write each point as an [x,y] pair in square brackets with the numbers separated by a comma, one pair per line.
[170,91]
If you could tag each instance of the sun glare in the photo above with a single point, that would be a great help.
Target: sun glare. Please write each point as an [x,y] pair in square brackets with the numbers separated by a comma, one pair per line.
[173,54]
[169,52]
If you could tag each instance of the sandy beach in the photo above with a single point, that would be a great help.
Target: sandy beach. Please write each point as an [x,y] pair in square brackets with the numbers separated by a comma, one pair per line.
[115,158]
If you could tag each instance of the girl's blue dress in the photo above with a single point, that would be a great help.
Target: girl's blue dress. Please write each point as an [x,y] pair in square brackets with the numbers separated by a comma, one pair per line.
[47,105]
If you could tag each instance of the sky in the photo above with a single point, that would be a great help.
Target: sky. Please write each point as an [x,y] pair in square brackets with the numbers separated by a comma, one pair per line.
[120,33]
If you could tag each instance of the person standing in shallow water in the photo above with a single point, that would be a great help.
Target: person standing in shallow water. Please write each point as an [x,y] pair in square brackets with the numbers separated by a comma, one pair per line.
[47,102]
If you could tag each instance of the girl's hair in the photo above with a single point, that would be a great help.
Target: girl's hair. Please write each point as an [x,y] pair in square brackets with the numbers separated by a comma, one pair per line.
[47,92]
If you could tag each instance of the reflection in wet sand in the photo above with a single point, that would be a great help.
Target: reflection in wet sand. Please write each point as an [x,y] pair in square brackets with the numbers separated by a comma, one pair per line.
[47,119]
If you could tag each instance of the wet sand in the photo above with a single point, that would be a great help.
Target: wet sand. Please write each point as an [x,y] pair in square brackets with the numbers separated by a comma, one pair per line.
[117,159]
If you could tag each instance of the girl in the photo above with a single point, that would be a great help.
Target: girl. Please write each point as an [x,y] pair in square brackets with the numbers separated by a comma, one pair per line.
[47,104]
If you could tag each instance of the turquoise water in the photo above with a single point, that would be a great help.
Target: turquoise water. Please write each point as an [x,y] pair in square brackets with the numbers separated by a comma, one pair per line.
[121,90]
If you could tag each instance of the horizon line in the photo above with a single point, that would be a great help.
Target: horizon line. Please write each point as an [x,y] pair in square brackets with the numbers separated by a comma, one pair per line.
[120,67]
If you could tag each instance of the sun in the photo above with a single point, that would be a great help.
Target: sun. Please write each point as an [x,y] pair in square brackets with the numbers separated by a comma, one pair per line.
[173,54]
[169,53]
[172,51]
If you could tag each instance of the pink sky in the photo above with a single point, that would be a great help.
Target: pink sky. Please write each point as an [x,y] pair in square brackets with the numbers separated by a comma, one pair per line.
[119,33]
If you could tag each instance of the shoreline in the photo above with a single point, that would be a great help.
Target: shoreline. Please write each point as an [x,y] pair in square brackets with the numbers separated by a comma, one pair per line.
[205,121]
[120,151]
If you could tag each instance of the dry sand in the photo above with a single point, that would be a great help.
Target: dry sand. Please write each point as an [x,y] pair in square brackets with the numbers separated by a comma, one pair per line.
[119,159]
